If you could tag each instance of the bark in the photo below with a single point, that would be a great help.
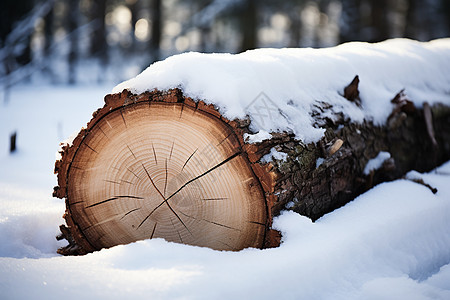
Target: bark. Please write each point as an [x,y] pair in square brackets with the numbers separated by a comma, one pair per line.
[126,178]
[417,139]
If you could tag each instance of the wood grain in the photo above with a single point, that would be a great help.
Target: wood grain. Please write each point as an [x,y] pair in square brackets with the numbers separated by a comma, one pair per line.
[164,170]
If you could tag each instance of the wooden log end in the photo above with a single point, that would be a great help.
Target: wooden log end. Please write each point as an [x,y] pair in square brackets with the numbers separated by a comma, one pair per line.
[160,164]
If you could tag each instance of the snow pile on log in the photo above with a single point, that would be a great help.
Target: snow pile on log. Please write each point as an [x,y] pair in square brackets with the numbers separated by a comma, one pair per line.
[280,89]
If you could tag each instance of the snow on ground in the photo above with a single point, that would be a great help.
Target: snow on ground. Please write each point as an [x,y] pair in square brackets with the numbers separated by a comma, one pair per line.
[278,88]
[43,116]
[391,243]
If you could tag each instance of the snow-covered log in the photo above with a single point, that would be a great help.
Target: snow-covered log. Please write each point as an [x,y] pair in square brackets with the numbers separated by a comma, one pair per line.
[206,149]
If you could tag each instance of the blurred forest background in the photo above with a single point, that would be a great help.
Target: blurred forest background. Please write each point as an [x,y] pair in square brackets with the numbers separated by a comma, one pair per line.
[94,41]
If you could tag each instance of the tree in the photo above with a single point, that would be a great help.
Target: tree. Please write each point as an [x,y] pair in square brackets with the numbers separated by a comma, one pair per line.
[10,13]
[134,9]
[72,26]
[248,20]
[157,23]
[99,44]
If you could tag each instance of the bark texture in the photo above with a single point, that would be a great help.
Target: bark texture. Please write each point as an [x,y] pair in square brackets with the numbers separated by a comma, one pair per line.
[318,178]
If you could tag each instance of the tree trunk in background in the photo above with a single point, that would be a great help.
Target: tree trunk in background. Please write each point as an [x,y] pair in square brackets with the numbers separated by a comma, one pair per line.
[322,7]
[351,21]
[296,26]
[445,6]
[12,11]
[159,164]
[134,9]
[72,20]
[380,21]
[98,39]
[411,20]
[157,27]
[48,32]
[249,25]
[205,31]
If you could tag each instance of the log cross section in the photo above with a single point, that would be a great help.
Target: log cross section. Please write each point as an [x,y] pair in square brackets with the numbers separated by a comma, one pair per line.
[162,166]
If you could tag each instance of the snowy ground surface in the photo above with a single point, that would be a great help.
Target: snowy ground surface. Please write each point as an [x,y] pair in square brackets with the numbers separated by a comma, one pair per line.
[391,243]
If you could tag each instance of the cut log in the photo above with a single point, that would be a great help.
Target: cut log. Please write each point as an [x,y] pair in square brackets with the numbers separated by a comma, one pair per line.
[170,169]
[160,164]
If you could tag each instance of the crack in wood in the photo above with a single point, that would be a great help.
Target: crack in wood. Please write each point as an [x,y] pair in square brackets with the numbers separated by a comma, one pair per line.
[77,202]
[124,122]
[214,199]
[221,142]
[112,199]
[132,153]
[205,173]
[179,235]
[84,143]
[153,183]
[111,181]
[134,173]
[154,154]
[171,150]
[222,225]
[131,211]
[178,217]
[257,223]
[181,111]
[211,222]
[129,182]
[188,159]
[103,132]
[148,216]
[153,231]
[165,181]
[121,181]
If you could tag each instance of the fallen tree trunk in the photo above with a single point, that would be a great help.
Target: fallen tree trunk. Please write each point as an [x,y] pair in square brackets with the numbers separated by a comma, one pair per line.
[159,164]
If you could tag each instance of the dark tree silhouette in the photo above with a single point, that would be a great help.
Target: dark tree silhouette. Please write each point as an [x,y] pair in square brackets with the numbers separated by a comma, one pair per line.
[72,25]
[156,19]
[248,25]
[98,37]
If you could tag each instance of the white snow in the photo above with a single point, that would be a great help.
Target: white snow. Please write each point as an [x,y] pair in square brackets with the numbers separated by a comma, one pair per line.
[376,162]
[279,87]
